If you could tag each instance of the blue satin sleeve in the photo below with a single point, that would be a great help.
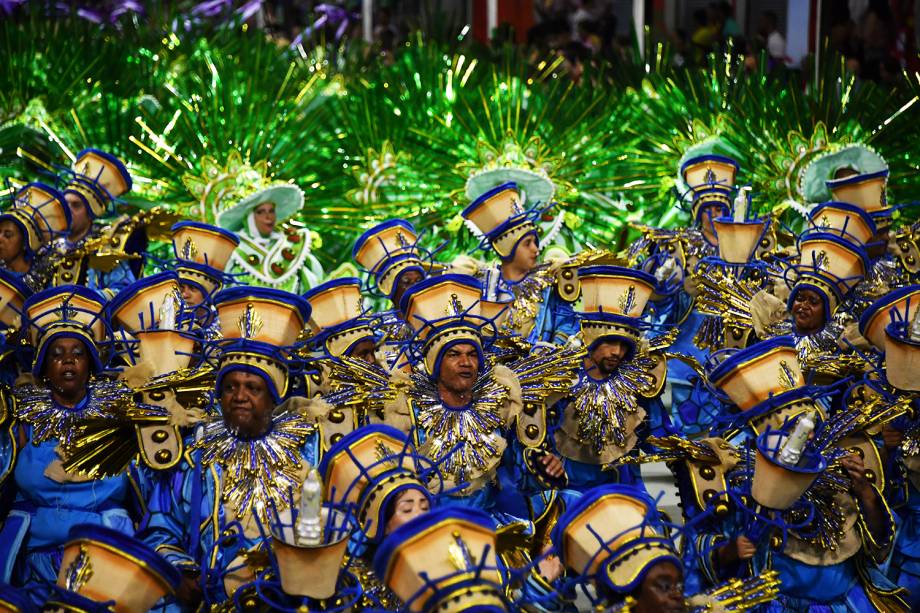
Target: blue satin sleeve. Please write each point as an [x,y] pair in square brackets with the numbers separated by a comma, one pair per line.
[168,527]
[556,320]
[115,280]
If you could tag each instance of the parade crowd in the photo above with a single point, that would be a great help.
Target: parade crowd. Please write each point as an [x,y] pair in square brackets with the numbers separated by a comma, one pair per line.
[235,428]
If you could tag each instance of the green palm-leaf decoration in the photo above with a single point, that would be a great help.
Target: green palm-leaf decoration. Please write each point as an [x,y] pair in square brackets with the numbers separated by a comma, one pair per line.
[251,102]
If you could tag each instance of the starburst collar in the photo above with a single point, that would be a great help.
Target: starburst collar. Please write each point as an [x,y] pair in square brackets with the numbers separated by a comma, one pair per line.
[465,438]
[527,294]
[602,407]
[50,420]
[257,472]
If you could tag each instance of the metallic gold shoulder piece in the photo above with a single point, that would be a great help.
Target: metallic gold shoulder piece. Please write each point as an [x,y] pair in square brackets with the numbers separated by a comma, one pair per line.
[108,249]
[740,594]
[676,448]
[689,360]
[546,372]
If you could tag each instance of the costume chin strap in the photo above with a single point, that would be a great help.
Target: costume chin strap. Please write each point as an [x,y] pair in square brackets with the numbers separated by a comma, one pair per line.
[254,233]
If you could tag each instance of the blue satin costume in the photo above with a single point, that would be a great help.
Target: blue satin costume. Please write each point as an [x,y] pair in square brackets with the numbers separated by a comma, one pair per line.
[187,523]
[43,511]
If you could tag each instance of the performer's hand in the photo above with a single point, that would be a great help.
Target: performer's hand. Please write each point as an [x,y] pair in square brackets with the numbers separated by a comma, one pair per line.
[739,549]
[550,568]
[854,466]
[892,438]
[746,549]
[552,465]
[189,592]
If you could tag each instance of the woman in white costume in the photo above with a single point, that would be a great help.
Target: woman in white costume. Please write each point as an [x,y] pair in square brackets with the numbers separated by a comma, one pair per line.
[274,250]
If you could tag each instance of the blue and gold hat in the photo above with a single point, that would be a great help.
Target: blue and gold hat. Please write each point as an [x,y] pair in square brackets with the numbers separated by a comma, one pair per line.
[701,172]
[41,214]
[387,251]
[144,304]
[902,352]
[829,265]
[612,534]
[613,300]
[65,311]
[309,539]
[202,254]
[740,233]
[710,180]
[259,325]
[901,304]
[337,316]
[738,240]
[845,220]
[501,218]
[444,311]
[776,484]
[99,179]
[368,469]
[105,565]
[863,185]
[444,561]
[13,294]
[765,382]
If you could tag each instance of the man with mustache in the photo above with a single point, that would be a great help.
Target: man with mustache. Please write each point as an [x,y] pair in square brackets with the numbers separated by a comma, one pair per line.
[609,408]
[464,410]
[209,516]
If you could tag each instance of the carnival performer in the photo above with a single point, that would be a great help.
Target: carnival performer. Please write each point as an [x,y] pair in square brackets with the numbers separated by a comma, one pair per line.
[614,404]
[245,462]
[390,255]
[97,180]
[461,409]
[36,217]
[67,329]
[614,538]
[202,253]
[892,325]
[829,262]
[830,557]
[377,472]
[537,310]
[707,183]
[274,250]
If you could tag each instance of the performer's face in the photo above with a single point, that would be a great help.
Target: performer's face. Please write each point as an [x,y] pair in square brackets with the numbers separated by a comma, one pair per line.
[364,351]
[10,241]
[526,253]
[708,214]
[459,368]
[661,591]
[67,370]
[608,355]
[808,311]
[404,282]
[265,218]
[191,294]
[408,505]
[80,221]
[246,403]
